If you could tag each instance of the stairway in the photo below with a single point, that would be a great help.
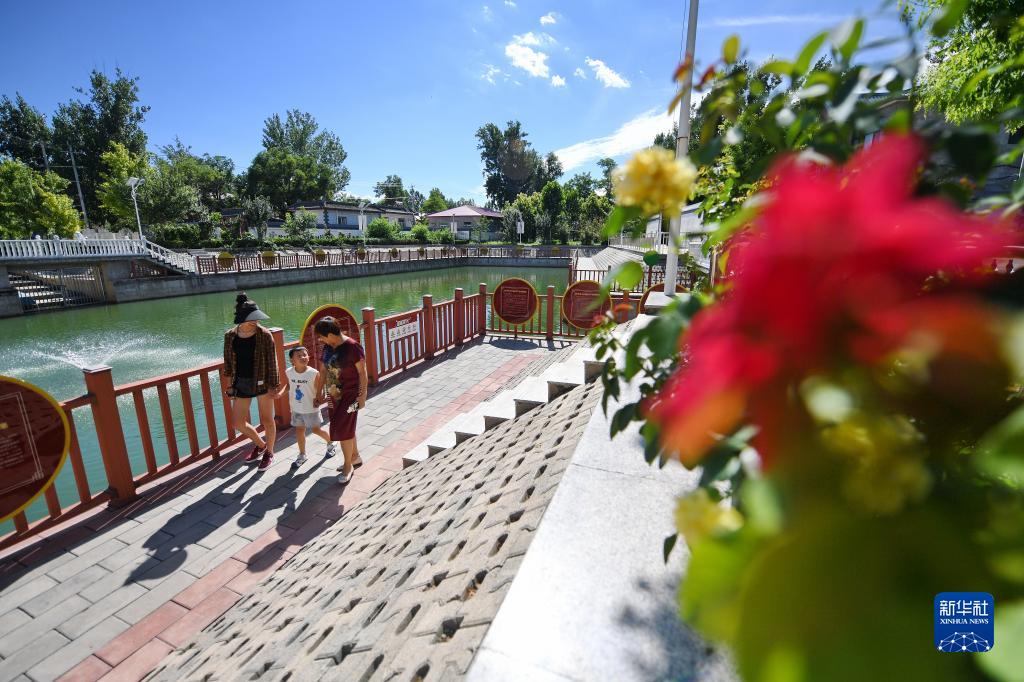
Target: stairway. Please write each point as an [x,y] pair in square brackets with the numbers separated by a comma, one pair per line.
[577,368]
[36,293]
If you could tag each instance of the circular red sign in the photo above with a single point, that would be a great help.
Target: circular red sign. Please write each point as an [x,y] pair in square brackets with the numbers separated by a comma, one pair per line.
[583,304]
[34,441]
[515,301]
[680,289]
[346,320]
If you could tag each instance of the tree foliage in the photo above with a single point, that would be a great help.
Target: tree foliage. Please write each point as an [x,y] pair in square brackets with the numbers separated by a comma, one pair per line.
[511,165]
[435,202]
[256,211]
[608,166]
[23,133]
[108,112]
[34,203]
[382,228]
[390,191]
[300,224]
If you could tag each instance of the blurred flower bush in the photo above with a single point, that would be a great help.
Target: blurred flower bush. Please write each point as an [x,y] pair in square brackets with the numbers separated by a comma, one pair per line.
[850,385]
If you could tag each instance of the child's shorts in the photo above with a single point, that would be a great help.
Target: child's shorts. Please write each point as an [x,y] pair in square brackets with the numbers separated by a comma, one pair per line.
[311,420]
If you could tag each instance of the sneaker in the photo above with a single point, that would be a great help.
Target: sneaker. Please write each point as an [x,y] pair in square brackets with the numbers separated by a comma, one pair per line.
[254,454]
[344,478]
[299,461]
[268,459]
[331,451]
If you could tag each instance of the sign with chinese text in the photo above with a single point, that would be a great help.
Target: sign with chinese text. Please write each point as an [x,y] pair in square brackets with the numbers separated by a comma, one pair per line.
[34,440]
[583,305]
[402,327]
[515,301]
[964,622]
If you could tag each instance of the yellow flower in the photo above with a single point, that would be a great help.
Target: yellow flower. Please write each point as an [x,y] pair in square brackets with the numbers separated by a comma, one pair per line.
[655,181]
[698,517]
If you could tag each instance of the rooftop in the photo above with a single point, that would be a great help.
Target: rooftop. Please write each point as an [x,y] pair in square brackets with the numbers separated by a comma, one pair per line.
[466,211]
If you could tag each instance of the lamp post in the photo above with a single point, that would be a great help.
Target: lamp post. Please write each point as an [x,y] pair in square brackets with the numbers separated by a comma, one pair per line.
[133,184]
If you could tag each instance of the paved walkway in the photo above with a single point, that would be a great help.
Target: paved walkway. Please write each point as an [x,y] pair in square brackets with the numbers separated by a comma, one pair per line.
[112,596]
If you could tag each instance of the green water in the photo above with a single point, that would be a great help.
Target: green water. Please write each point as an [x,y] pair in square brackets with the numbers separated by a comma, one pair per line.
[151,338]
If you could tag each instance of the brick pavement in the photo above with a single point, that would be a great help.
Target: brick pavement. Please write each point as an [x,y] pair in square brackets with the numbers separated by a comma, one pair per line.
[111,596]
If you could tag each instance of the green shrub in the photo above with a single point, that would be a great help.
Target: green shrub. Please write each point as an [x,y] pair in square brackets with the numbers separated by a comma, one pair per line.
[175,236]
[420,233]
[380,228]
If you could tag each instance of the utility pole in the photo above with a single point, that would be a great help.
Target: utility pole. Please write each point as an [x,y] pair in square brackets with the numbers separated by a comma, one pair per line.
[81,198]
[682,143]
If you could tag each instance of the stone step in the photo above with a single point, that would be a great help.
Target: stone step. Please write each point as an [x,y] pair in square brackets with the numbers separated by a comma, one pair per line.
[531,393]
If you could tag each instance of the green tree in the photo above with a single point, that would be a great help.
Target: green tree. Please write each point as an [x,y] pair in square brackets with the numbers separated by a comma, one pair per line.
[285,178]
[256,211]
[551,202]
[420,233]
[23,132]
[583,184]
[608,166]
[390,191]
[118,164]
[109,112]
[547,170]
[667,139]
[435,202]
[300,134]
[977,69]
[510,163]
[32,202]
[212,176]
[300,224]
[529,207]
[572,207]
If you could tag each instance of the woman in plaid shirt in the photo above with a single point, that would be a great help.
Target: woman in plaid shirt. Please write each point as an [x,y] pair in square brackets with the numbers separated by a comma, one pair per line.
[250,370]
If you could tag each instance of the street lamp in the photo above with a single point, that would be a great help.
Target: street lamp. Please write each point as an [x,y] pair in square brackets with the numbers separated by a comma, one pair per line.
[133,184]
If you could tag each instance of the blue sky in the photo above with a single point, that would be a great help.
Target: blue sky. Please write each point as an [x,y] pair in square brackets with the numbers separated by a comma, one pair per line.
[404,84]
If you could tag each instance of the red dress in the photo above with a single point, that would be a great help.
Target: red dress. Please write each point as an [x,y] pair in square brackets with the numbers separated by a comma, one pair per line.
[340,363]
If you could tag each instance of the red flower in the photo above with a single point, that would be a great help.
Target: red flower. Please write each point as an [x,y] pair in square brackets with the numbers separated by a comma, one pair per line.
[810,284]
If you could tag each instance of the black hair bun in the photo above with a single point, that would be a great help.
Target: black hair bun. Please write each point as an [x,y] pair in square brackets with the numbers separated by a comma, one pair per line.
[241,299]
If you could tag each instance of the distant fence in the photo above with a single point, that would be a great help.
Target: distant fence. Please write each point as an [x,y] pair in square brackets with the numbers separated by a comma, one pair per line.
[392,344]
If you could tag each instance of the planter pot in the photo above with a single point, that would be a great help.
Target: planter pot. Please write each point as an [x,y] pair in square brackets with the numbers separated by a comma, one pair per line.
[269,258]
[225,260]
[320,255]
[394,254]
[361,254]
[421,251]
[484,250]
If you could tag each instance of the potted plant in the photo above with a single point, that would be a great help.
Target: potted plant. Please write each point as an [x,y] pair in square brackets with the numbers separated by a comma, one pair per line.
[225,259]
[394,253]
[556,251]
[361,253]
[421,251]
[484,250]
[320,255]
[518,251]
[269,258]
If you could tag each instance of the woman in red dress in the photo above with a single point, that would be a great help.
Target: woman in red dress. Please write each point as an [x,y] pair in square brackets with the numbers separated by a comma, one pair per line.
[344,367]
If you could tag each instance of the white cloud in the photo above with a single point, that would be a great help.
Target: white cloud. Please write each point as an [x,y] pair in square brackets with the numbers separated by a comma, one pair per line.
[527,59]
[510,3]
[606,75]
[557,81]
[534,40]
[637,133]
[767,19]
[488,14]
[548,19]
[490,73]
[580,73]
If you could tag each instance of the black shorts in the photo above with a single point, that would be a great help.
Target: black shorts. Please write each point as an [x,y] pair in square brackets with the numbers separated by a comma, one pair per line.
[245,387]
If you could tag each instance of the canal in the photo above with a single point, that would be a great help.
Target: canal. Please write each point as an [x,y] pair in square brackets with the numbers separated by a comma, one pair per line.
[151,338]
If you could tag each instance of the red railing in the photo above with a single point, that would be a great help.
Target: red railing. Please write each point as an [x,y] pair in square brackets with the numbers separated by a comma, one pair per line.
[652,275]
[203,427]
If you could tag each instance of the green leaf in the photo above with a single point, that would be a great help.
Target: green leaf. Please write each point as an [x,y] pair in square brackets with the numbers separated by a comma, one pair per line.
[731,49]
[628,275]
[1001,451]
[779,67]
[951,14]
[618,217]
[803,60]
[668,545]
[652,258]
[899,121]
[846,37]
[622,418]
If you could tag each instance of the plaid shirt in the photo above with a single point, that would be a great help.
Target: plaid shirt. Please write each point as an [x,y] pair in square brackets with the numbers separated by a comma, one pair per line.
[265,361]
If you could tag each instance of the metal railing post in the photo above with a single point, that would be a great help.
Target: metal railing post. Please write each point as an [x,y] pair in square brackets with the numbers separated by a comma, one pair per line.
[110,435]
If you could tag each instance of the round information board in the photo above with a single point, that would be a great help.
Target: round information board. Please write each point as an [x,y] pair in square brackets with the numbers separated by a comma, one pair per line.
[515,301]
[34,441]
[680,289]
[582,303]
[346,320]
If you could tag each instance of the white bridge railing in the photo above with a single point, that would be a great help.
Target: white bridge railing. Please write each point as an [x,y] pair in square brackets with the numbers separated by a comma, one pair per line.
[63,249]
[644,244]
